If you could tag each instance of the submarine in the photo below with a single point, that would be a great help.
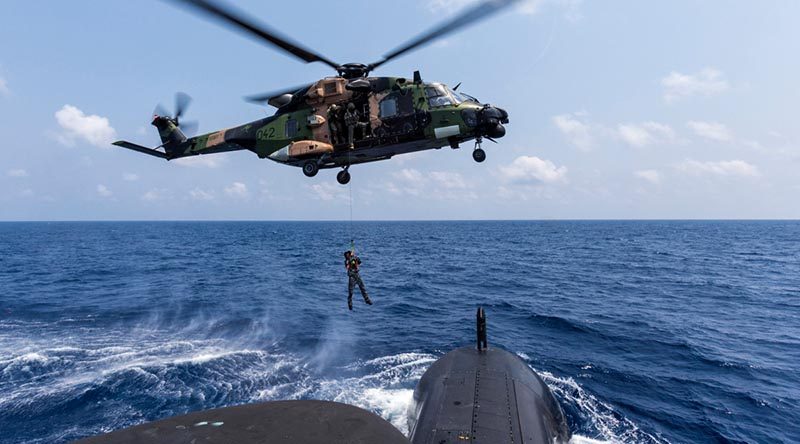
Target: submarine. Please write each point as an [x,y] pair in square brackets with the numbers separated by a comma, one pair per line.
[473,394]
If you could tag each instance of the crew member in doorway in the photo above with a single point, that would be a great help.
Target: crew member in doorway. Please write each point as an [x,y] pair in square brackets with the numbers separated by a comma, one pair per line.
[351,263]
[334,120]
[352,121]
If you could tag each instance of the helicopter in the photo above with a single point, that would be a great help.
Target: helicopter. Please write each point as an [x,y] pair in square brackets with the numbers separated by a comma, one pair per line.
[341,120]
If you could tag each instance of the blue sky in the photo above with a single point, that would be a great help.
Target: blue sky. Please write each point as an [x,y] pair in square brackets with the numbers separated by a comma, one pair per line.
[619,109]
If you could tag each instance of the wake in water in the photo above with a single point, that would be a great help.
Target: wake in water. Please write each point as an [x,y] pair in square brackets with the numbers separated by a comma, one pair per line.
[118,378]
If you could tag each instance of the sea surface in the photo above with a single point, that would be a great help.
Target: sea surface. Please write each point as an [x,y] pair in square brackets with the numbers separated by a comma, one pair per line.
[647,332]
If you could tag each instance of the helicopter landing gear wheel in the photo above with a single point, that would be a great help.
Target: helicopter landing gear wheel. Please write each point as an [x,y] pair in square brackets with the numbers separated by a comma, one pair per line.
[310,168]
[343,177]
[479,155]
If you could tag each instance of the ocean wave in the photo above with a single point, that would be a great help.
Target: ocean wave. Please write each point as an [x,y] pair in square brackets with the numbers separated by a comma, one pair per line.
[157,380]
[596,418]
[143,382]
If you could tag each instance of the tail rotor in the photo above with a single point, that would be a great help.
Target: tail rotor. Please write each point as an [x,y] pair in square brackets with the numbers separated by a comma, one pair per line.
[164,122]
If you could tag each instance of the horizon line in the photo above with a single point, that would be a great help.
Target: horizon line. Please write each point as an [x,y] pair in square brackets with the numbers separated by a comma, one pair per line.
[413,220]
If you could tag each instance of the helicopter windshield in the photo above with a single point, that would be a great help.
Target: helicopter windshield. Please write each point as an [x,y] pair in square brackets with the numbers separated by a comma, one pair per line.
[465,97]
[441,95]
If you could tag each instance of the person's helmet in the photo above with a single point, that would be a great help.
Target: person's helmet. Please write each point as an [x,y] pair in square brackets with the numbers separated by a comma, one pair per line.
[351,106]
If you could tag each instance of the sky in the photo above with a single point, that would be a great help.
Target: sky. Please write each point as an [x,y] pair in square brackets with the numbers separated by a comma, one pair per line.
[682,109]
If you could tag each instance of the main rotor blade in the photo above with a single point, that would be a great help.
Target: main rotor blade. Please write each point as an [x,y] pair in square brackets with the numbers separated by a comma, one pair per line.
[471,15]
[265,97]
[239,20]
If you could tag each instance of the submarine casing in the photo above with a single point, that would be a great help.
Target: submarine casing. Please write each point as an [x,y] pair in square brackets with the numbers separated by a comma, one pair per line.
[484,396]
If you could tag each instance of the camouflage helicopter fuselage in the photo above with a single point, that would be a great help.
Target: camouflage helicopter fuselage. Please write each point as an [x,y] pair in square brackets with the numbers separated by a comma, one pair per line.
[390,116]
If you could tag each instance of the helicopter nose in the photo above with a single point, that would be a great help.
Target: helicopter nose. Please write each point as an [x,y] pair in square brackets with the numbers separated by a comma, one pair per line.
[503,115]
[492,120]
[496,131]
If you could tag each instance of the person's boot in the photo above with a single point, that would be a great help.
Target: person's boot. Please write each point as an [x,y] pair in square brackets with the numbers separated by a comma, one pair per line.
[367,300]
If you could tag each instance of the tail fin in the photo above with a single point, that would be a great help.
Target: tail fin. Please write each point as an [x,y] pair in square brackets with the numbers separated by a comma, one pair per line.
[168,129]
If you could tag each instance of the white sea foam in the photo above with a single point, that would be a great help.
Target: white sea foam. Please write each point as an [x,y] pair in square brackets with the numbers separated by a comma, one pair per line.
[610,426]
[577,439]
[383,385]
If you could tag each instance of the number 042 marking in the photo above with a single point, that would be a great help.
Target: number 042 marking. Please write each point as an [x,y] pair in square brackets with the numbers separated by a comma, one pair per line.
[266,133]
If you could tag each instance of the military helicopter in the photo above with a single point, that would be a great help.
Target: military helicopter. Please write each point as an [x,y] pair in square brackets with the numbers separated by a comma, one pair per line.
[342,120]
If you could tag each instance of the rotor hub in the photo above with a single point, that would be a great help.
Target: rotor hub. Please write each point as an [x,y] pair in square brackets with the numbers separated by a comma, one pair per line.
[353,70]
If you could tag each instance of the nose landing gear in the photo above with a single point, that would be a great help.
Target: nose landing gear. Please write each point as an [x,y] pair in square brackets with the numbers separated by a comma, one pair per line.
[478,154]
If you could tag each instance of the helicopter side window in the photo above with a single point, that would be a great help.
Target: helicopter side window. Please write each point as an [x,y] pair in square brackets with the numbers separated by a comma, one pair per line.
[330,88]
[388,107]
[291,128]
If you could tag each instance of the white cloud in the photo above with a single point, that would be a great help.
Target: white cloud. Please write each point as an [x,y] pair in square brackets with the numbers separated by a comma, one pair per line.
[103,191]
[202,161]
[130,177]
[17,173]
[651,176]
[4,91]
[328,191]
[449,180]
[721,168]
[531,169]
[577,132]
[411,182]
[646,133]
[706,82]
[409,175]
[199,194]
[711,130]
[154,195]
[76,125]
[237,190]
[446,185]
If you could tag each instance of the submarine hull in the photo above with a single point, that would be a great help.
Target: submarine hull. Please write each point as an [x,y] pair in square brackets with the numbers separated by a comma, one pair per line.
[484,396]
[276,422]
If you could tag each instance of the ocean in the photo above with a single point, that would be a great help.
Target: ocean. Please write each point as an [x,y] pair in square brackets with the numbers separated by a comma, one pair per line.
[646,331]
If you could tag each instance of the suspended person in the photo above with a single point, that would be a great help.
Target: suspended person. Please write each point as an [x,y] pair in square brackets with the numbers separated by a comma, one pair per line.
[352,263]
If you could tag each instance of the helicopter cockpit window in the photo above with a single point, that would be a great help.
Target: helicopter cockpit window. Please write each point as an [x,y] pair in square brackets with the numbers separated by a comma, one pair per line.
[388,107]
[466,97]
[439,96]
[291,128]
